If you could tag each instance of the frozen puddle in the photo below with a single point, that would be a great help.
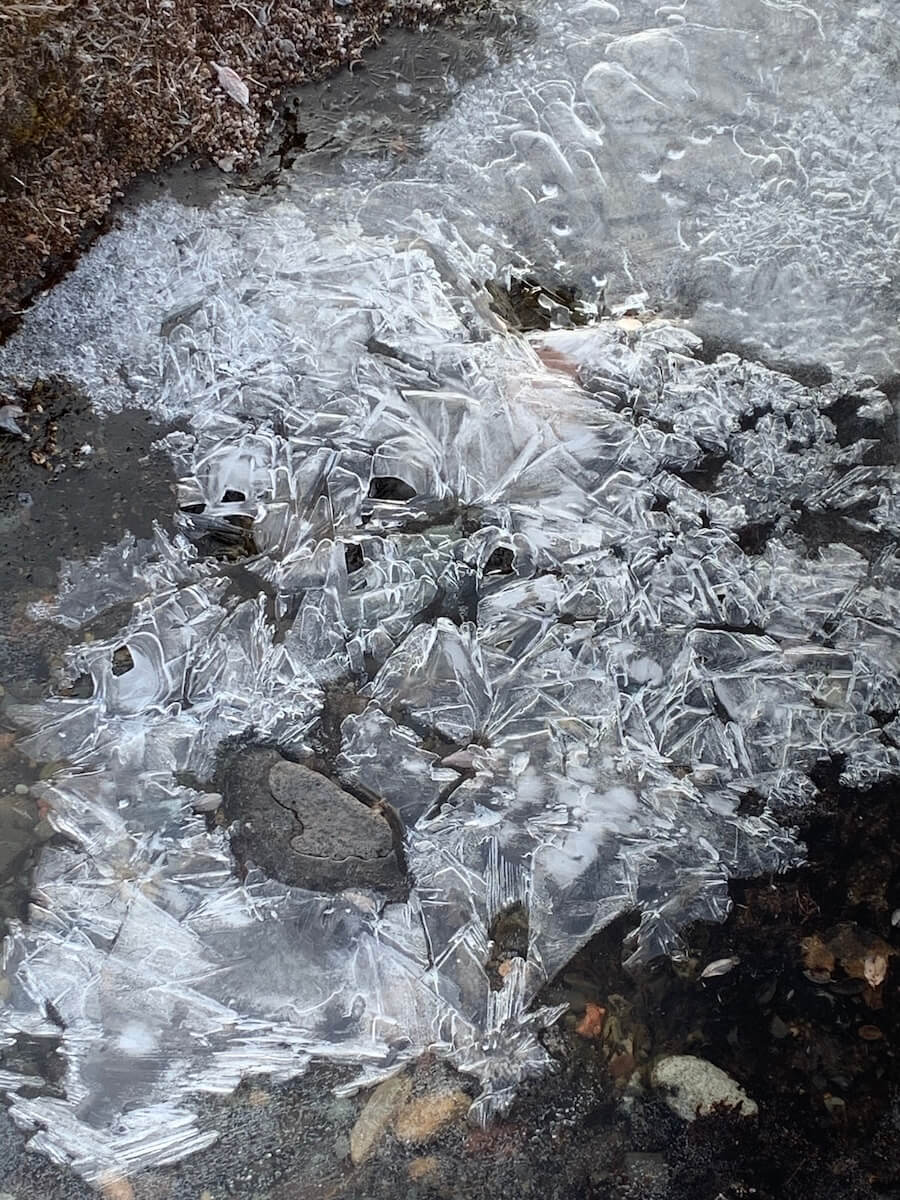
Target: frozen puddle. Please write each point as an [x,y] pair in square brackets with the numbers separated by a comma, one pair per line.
[600,605]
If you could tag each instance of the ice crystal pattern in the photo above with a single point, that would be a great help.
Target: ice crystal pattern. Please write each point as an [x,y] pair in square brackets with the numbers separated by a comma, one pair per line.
[605,604]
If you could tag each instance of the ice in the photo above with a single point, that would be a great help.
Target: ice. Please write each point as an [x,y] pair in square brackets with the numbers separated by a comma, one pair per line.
[588,589]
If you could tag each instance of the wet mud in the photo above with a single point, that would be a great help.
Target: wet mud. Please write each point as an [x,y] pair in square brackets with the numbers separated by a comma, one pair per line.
[70,483]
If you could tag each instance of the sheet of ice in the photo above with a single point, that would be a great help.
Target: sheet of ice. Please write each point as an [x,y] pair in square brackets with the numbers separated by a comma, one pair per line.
[627,590]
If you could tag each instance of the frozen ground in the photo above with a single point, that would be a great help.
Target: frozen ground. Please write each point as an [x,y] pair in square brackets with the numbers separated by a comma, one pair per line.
[602,604]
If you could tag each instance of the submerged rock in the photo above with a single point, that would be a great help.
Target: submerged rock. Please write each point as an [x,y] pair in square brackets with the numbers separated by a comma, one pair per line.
[376,1116]
[694,1087]
[302,829]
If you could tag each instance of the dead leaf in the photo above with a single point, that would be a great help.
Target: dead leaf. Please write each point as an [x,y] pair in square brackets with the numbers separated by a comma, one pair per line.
[875,969]
[591,1024]
[375,1116]
[816,955]
[424,1116]
[556,360]
[232,85]
[870,1033]
[720,967]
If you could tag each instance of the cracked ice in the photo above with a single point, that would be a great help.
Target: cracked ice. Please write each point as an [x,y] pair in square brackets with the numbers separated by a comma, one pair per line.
[568,600]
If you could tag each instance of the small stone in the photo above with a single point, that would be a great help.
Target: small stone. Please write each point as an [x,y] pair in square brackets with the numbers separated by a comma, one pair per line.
[116,1187]
[376,1116]
[424,1116]
[422,1168]
[694,1087]
[21,789]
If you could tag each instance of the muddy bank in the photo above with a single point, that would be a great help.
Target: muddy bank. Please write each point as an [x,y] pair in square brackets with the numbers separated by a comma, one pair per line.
[69,484]
[95,93]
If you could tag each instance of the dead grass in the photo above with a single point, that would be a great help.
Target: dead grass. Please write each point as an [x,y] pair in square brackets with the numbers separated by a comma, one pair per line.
[91,93]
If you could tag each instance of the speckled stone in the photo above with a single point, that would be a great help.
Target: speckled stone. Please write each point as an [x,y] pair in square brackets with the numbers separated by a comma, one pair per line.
[693,1087]
[302,829]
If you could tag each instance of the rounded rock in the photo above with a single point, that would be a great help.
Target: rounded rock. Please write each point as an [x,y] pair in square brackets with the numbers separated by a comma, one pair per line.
[301,828]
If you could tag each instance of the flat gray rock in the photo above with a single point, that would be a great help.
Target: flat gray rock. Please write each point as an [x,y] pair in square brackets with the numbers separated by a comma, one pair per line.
[301,828]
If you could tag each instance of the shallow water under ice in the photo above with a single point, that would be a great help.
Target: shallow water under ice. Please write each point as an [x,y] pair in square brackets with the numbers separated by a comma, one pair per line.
[629,599]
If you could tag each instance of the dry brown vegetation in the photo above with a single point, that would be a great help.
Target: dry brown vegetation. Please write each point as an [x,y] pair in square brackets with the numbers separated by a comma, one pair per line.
[94,91]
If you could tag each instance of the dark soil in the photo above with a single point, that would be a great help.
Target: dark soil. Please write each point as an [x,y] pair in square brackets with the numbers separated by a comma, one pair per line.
[71,485]
[795,1021]
[76,484]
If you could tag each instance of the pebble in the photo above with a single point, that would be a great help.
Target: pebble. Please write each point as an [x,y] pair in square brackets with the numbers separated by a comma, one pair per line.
[421,1168]
[21,789]
[424,1116]
[376,1116]
[694,1087]
[116,1187]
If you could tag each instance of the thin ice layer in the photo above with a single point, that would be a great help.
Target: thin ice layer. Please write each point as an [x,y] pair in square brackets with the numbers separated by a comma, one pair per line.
[731,160]
[591,595]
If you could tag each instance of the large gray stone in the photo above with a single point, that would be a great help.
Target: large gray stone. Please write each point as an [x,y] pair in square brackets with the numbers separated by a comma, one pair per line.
[301,828]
